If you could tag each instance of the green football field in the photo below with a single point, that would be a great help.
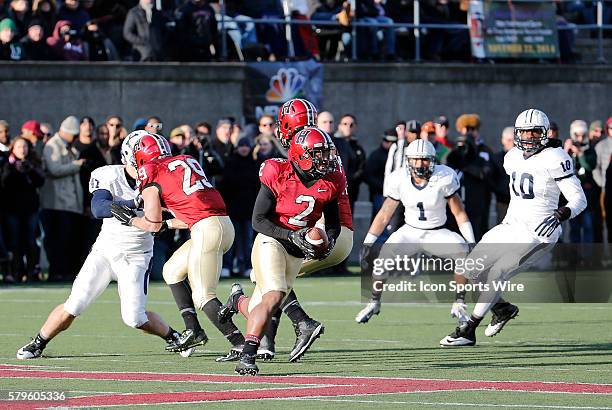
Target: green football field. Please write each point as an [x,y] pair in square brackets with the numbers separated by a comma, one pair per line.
[552,356]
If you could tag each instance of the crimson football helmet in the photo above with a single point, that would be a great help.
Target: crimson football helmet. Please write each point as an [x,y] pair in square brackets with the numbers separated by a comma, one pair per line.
[150,147]
[313,151]
[293,116]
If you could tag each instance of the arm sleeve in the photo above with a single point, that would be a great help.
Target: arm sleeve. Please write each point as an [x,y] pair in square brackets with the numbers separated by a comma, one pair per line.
[452,185]
[332,219]
[572,191]
[391,187]
[264,206]
[56,169]
[101,204]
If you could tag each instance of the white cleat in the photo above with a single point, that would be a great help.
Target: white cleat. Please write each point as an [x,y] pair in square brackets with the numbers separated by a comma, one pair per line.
[30,351]
[188,352]
[371,309]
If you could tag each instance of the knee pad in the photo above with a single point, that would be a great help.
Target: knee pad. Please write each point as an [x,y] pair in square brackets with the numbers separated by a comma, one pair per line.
[134,319]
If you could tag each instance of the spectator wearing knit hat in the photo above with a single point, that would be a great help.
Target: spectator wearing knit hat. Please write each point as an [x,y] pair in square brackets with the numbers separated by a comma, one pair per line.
[595,132]
[62,202]
[19,12]
[65,44]
[34,43]
[10,48]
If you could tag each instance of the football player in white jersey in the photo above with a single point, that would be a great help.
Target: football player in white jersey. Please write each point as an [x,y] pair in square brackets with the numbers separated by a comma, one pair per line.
[540,170]
[424,189]
[120,253]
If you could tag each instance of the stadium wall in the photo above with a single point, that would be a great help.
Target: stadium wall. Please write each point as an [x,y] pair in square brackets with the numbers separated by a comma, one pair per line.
[378,94]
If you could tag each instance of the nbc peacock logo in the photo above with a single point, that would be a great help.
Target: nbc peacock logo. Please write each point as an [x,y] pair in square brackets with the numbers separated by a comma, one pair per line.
[285,85]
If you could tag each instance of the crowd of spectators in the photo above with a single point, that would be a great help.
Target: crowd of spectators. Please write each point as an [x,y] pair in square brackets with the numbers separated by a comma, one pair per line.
[191,30]
[44,179]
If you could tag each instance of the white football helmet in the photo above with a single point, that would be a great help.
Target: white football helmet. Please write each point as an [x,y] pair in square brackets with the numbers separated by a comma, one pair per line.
[531,119]
[421,149]
[127,147]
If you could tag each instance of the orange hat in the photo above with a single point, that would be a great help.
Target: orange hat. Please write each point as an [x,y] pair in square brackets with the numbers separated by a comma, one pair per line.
[428,127]
[467,121]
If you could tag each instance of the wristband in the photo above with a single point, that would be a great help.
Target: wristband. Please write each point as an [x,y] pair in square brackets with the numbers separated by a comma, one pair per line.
[370,239]
[467,232]
[170,224]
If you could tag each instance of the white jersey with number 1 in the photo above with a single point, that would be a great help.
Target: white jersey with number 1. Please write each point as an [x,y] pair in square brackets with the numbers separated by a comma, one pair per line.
[425,205]
[535,185]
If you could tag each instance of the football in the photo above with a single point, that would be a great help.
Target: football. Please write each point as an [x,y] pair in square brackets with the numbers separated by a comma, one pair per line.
[318,238]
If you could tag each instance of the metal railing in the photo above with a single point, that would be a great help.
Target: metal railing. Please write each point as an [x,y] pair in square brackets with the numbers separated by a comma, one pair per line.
[416,26]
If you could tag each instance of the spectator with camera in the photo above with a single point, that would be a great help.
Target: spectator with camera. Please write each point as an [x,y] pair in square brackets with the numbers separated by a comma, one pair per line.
[22,175]
[66,43]
[10,48]
[584,159]
[201,149]
[471,159]
[62,202]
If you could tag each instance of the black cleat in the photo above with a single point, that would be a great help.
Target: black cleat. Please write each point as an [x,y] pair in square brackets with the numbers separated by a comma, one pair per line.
[232,356]
[501,316]
[247,366]
[32,350]
[188,339]
[306,332]
[230,308]
[266,349]
[464,335]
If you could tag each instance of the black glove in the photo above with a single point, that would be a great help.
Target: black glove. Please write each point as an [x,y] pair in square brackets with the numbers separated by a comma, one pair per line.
[123,213]
[548,225]
[328,251]
[298,238]
[366,257]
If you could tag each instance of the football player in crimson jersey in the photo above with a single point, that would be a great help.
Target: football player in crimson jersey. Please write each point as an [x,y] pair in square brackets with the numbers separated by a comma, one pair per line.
[293,116]
[181,185]
[294,194]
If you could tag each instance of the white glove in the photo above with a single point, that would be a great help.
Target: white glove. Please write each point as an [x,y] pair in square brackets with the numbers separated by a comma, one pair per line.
[459,311]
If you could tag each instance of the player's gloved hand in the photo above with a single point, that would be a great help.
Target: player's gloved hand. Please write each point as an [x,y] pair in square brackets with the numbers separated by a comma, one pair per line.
[366,257]
[123,213]
[328,251]
[548,225]
[298,238]
[459,311]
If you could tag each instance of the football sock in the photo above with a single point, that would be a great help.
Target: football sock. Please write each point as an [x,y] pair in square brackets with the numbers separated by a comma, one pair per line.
[228,329]
[460,295]
[182,296]
[251,343]
[170,335]
[293,310]
[41,341]
[474,321]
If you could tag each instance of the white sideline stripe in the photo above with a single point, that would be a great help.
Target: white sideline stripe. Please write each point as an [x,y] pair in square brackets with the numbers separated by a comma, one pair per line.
[447,404]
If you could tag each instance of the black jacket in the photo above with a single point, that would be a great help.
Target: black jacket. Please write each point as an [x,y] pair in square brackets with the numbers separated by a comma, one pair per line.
[12,51]
[38,51]
[374,174]
[20,185]
[240,185]
[197,31]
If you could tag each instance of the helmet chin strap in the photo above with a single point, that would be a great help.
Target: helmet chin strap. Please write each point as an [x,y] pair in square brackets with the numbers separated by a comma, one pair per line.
[306,178]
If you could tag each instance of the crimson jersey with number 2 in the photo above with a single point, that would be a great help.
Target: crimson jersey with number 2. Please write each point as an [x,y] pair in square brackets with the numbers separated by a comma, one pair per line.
[298,206]
[183,188]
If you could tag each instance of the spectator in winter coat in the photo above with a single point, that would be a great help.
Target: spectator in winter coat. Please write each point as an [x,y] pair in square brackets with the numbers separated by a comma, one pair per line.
[66,44]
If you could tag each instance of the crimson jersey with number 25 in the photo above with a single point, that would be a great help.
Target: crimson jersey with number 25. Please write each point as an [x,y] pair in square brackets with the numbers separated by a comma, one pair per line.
[183,188]
[298,206]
